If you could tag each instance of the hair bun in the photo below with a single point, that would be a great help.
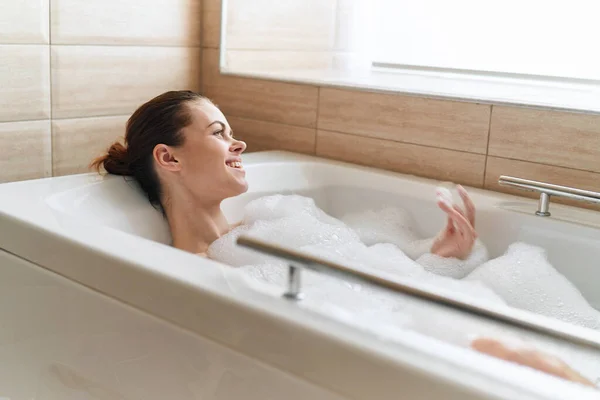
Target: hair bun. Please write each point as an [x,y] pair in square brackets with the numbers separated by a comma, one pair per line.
[115,161]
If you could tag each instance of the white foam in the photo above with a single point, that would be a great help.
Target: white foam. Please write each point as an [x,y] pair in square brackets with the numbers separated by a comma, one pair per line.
[526,280]
[374,241]
[388,260]
[389,225]
[522,278]
[454,267]
[277,206]
[382,257]
[290,231]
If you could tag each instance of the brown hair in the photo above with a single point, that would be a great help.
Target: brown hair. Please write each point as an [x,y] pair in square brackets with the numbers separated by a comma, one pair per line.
[159,121]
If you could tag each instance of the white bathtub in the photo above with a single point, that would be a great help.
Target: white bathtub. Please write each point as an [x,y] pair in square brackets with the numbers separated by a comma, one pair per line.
[94,304]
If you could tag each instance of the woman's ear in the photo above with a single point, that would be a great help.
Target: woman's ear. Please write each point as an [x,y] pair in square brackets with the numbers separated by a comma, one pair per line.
[165,158]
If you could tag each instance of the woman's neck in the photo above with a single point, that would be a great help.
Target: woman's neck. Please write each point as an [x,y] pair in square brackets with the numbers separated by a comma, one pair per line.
[195,226]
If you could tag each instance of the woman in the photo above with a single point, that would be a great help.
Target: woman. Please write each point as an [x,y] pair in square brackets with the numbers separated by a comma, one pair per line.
[183,154]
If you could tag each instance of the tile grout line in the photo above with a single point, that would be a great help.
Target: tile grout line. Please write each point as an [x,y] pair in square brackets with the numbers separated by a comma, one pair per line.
[118,45]
[16,121]
[402,142]
[271,121]
[201,41]
[51,87]
[547,165]
[358,135]
[317,119]
[94,116]
[487,147]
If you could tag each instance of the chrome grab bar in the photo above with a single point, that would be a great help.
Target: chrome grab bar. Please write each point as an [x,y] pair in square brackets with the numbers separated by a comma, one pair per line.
[546,190]
[299,260]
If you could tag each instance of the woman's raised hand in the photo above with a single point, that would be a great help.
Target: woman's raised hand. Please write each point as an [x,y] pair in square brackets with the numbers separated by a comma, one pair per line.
[458,237]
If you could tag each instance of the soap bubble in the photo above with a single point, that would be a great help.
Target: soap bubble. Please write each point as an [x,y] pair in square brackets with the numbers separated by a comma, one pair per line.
[384,243]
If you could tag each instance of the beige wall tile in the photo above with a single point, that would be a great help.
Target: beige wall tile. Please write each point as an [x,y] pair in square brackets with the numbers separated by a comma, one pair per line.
[211,75]
[289,25]
[75,142]
[440,164]
[538,172]
[261,60]
[127,22]
[97,80]
[26,152]
[438,123]
[268,101]
[24,21]
[211,23]
[261,135]
[259,99]
[24,82]
[548,137]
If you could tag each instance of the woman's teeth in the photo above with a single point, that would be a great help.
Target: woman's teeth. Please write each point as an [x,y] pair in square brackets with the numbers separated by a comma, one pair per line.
[234,164]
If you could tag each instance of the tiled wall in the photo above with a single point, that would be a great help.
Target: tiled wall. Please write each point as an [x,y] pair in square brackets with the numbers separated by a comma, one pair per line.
[295,34]
[69,81]
[464,142]
[292,34]
[71,72]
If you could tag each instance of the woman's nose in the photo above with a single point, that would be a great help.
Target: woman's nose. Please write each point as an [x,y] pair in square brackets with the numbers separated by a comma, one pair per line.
[238,146]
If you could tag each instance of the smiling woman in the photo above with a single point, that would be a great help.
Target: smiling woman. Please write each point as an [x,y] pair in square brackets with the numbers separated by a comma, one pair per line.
[181,150]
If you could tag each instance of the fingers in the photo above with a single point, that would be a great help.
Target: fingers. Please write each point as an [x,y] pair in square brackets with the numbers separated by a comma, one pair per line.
[448,209]
[450,225]
[460,210]
[463,226]
[469,206]
[459,221]
[444,205]
[444,195]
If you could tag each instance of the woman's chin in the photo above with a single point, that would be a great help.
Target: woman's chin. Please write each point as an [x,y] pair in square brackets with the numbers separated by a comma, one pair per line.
[244,188]
[241,186]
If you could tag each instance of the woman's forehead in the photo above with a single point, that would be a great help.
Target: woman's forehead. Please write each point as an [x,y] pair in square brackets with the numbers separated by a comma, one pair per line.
[205,112]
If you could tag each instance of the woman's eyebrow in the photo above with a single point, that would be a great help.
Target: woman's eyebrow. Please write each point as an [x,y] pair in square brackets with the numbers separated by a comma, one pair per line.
[216,122]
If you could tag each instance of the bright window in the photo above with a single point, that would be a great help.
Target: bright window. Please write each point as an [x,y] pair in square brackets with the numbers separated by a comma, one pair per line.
[544,38]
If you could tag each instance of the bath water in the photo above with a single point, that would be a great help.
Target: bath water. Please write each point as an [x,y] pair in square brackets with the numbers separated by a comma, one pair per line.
[383,241]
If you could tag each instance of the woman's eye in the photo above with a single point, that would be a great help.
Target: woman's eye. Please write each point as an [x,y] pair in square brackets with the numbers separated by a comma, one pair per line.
[218,133]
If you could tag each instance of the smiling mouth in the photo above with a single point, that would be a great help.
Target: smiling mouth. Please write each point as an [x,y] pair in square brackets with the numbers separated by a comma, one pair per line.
[234,164]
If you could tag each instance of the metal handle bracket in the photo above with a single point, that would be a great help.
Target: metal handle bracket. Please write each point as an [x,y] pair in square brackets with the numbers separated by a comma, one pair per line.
[546,190]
